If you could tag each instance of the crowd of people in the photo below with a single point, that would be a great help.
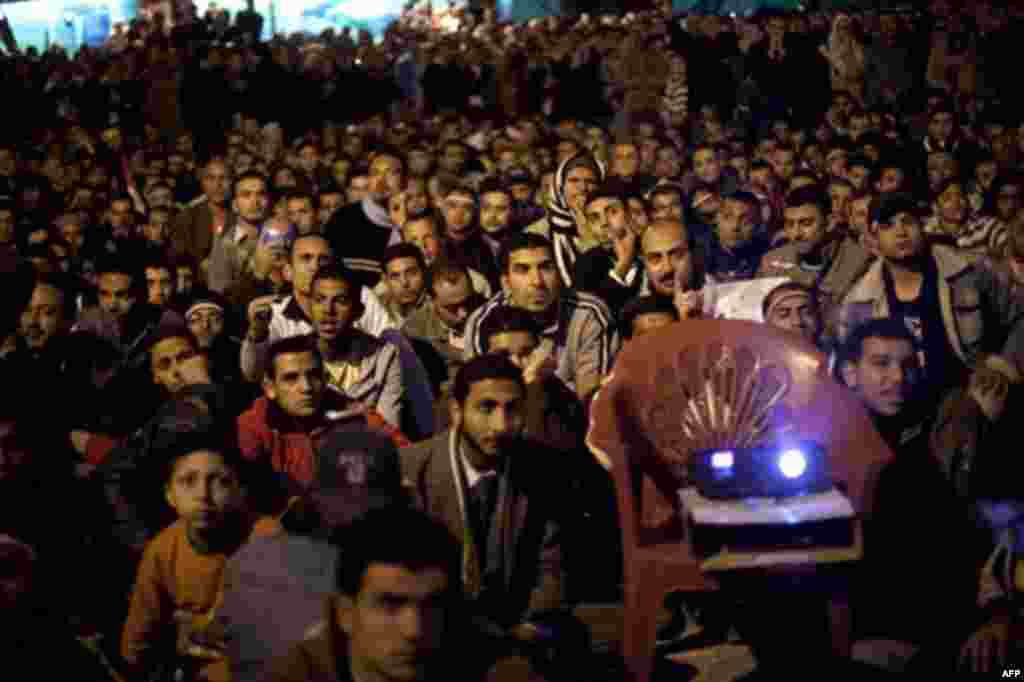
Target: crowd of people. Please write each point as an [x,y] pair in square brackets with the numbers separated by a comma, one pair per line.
[327,299]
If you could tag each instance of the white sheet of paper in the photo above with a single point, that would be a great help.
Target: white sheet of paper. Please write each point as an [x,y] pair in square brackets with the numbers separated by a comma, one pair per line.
[739,300]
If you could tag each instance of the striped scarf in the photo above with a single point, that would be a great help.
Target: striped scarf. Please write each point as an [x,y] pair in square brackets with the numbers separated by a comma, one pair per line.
[563,224]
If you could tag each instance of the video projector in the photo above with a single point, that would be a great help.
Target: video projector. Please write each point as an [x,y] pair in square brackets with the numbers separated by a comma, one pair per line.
[767,505]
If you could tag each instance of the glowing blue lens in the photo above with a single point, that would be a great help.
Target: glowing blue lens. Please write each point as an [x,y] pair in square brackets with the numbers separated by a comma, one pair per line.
[792,463]
[722,460]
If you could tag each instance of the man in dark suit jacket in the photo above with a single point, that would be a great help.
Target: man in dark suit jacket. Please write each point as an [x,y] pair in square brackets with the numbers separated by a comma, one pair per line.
[498,493]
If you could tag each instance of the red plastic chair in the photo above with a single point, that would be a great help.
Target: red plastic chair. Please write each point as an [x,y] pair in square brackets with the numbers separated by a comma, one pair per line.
[699,384]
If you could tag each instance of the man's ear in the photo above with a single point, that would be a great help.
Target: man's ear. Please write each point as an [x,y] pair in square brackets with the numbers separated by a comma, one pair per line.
[344,608]
[849,373]
[287,272]
[268,388]
[504,284]
[455,413]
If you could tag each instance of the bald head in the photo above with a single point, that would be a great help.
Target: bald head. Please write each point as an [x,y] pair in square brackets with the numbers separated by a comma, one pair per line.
[658,229]
[666,254]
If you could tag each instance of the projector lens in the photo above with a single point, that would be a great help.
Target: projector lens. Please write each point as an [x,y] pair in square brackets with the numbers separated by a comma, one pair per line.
[722,460]
[792,463]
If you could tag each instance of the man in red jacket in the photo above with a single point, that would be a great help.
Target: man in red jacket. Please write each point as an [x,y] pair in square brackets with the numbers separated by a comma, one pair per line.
[325,449]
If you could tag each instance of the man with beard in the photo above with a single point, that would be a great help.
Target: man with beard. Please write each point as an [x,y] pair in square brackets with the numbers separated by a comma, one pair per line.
[954,310]
[512,563]
[827,264]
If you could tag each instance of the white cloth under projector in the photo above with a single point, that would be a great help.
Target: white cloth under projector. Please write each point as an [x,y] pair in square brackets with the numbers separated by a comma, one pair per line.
[765,510]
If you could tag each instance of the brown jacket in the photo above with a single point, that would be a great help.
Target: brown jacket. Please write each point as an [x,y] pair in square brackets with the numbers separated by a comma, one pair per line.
[323,657]
[524,543]
[192,233]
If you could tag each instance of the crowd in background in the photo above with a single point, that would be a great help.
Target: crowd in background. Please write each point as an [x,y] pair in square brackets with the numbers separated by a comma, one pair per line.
[286,292]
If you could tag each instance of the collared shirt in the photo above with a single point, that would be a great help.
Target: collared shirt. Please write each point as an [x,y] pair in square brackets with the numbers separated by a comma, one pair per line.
[583,338]
[287,319]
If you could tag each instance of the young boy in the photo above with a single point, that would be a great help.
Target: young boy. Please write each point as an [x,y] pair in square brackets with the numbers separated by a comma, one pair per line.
[180,580]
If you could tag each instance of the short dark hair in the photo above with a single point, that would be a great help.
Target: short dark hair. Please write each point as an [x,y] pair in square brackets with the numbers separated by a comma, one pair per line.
[812,195]
[492,185]
[289,345]
[644,305]
[158,261]
[60,282]
[121,266]
[520,241]
[299,194]
[748,198]
[249,175]
[395,535]
[338,272]
[403,250]
[504,319]
[878,328]
[445,269]
[482,368]
[308,235]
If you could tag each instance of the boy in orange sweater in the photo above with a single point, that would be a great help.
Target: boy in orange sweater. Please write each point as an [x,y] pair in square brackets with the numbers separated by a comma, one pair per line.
[171,620]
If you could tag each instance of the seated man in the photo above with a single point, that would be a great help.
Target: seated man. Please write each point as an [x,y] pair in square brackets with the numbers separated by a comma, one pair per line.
[827,263]
[957,311]
[484,464]
[611,270]
[578,326]
[423,231]
[403,287]
[179,579]
[396,561]
[739,240]
[292,425]
[916,509]
[271,319]
[554,415]
[437,331]
[362,367]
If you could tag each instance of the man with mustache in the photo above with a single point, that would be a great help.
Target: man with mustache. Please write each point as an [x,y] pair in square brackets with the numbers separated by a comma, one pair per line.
[477,478]
[578,328]
[828,264]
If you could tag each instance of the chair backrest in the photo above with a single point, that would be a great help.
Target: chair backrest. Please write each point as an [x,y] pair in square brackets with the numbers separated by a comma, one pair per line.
[720,383]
